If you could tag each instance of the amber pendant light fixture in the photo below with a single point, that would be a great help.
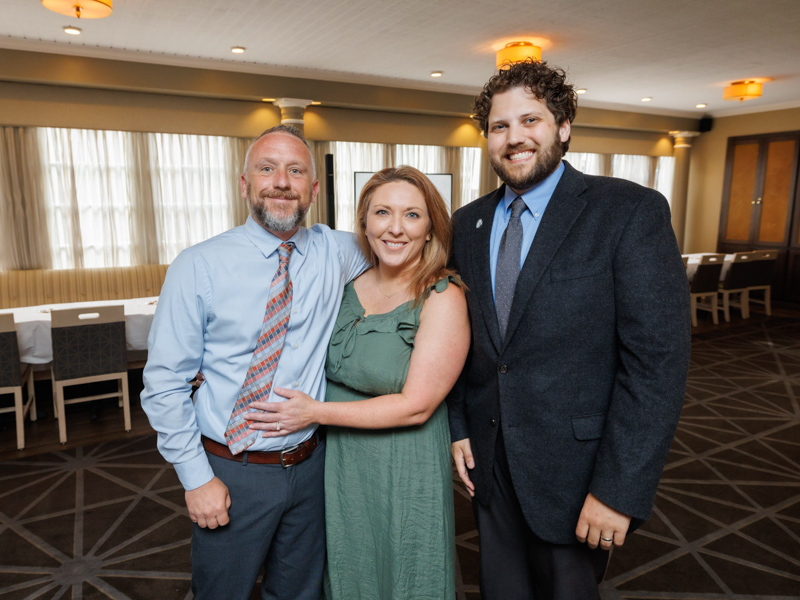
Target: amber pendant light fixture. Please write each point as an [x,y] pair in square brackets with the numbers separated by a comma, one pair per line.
[82,9]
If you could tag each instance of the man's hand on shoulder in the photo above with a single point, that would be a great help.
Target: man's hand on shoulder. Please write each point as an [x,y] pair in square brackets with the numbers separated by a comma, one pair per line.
[208,505]
[599,524]
[462,455]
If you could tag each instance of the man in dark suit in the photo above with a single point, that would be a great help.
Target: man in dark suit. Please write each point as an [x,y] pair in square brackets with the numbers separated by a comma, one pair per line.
[579,306]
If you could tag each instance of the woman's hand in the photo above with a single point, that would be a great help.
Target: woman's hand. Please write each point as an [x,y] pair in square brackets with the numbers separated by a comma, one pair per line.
[282,418]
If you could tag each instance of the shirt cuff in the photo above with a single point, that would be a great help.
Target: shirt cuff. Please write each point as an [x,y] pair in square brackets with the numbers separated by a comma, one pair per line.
[194,472]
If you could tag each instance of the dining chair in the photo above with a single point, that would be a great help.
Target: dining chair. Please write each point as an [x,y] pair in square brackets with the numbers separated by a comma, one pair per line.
[762,268]
[704,284]
[13,376]
[736,281]
[89,346]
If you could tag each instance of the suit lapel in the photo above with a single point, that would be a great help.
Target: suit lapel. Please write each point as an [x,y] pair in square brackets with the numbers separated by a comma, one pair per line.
[481,283]
[563,209]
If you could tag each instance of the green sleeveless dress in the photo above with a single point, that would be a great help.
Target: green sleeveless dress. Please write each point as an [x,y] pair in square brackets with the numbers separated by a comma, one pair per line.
[388,492]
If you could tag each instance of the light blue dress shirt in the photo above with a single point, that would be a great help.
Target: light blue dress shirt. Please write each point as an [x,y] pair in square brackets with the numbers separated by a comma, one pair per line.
[536,200]
[209,318]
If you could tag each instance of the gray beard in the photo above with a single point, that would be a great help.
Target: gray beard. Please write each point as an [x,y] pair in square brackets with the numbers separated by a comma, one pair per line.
[273,223]
[547,162]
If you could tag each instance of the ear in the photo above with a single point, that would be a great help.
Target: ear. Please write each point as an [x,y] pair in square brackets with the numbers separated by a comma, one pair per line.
[243,183]
[314,190]
[564,130]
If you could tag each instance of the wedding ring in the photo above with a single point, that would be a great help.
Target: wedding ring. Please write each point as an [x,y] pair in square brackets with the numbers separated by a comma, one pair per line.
[609,540]
[278,426]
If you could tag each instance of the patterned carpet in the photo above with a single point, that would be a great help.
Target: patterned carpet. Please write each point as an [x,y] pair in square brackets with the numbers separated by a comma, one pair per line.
[108,521]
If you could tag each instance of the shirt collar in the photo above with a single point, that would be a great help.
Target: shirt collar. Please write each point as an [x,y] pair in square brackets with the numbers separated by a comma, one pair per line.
[268,243]
[538,196]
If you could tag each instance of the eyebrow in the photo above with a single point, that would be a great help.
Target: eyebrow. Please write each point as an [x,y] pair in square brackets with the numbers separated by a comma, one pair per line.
[411,207]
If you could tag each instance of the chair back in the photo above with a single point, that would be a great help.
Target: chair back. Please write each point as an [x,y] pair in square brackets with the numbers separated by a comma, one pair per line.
[10,369]
[763,266]
[740,271]
[685,259]
[88,341]
[706,277]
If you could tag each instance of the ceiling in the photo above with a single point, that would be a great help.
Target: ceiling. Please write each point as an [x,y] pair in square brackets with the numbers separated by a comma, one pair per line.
[678,52]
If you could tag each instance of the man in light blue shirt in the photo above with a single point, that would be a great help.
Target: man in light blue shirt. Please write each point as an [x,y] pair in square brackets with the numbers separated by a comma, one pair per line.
[249,509]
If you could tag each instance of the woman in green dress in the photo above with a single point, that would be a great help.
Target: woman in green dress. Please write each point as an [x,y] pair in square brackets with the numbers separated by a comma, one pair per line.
[398,346]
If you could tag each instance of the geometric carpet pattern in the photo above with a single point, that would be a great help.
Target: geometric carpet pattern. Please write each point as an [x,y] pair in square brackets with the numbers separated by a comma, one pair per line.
[109,520]
[727,516]
[106,521]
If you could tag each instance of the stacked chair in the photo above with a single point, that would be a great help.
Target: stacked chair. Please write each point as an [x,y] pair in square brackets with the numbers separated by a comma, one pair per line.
[89,345]
[13,376]
[704,285]
[736,281]
[761,277]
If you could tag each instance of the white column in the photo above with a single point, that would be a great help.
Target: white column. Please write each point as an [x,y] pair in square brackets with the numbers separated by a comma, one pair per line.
[682,148]
[293,111]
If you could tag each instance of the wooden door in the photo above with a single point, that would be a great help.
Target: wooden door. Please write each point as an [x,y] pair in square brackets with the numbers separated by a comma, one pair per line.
[759,209]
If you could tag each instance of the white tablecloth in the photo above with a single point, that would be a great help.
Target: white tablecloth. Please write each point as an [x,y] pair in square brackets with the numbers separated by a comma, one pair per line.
[33,326]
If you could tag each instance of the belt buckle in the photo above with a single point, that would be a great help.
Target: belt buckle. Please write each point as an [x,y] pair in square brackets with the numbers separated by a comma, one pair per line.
[288,451]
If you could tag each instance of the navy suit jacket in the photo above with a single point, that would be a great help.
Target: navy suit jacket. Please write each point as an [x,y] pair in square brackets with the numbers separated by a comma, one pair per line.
[588,384]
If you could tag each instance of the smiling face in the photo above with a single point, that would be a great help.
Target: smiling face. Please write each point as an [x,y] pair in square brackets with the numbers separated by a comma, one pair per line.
[525,142]
[279,183]
[397,225]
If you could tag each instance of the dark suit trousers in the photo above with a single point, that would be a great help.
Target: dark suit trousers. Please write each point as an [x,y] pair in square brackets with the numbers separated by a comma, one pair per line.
[517,565]
[277,522]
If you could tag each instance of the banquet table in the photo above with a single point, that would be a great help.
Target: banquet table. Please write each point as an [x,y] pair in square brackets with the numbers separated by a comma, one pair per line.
[33,326]
[694,260]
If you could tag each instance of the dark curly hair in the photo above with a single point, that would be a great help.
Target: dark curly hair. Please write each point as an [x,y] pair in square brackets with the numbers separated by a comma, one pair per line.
[546,83]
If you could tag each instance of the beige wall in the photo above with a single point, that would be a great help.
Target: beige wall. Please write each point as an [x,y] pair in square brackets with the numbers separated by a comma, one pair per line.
[38,89]
[26,104]
[708,170]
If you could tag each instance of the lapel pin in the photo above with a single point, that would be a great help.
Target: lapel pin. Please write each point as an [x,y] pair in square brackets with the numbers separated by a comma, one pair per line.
[478,224]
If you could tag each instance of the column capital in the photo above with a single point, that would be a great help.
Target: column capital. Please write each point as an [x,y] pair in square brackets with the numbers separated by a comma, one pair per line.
[683,139]
[293,112]
[292,103]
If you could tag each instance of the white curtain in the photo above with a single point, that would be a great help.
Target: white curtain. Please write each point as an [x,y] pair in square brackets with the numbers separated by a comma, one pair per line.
[586,162]
[665,172]
[191,178]
[118,198]
[633,168]
[348,158]
[86,189]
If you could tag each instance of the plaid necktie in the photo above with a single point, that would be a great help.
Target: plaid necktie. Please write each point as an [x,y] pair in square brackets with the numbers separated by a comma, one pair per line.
[258,382]
[508,257]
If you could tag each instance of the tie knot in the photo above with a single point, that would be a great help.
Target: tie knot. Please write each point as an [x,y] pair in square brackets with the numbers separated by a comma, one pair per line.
[517,207]
[285,250]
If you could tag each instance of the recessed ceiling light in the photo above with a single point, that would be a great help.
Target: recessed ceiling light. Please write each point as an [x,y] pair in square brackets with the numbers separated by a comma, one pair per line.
[581,91]
[237,50]
[72,30]
[646,99]
[436,73]
[268,99]
[701,105]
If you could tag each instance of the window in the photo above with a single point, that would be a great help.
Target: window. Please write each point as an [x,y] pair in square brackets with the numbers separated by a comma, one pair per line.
[119,198]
